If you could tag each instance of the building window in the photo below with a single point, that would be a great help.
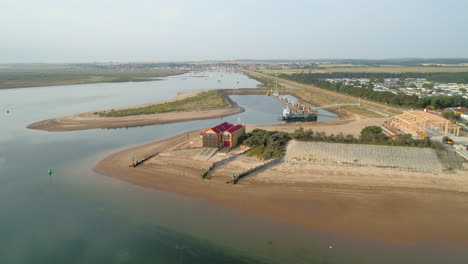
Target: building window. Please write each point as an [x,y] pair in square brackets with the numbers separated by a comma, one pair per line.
[227,136]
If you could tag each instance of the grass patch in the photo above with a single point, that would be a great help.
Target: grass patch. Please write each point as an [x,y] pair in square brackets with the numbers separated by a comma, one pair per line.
[11,78]
[267,81]
[202,101]
[362,111]
[314,97]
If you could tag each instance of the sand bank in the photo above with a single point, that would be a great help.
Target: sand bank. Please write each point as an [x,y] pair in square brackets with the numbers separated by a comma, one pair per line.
[373,203]
[90,120]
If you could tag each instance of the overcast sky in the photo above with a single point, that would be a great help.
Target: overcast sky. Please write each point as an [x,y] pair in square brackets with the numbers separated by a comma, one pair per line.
[176,30]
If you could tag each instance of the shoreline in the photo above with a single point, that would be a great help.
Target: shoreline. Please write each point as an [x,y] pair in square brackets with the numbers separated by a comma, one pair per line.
[135,78]
[378,204]
[16,86]
[89,120]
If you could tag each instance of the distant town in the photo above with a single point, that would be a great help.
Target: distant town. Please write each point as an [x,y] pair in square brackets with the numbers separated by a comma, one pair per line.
[410,86]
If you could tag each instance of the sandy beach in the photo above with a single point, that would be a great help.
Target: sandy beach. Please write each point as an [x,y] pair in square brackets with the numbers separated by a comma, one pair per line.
[379,204]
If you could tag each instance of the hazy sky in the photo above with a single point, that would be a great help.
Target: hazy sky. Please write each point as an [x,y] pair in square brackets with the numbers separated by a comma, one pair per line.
[176,30]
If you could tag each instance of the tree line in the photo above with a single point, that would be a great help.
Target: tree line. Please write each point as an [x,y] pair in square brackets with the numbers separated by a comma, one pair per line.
[367,92]
[440,77]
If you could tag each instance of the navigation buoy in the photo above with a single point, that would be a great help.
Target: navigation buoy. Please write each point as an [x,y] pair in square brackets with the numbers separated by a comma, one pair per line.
[49,171]
[7,111]
[126,126]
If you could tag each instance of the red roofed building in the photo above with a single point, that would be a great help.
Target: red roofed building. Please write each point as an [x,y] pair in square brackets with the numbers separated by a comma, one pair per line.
[231,135]
[222,135]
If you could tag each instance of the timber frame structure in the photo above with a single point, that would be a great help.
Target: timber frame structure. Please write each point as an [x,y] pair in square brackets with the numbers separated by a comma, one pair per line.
[419,121]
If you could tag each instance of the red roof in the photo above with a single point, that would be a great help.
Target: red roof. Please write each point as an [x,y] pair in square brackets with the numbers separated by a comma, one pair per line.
[220,128]
[234,128]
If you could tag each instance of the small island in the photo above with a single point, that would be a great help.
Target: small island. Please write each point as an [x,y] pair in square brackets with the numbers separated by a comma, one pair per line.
[184,107]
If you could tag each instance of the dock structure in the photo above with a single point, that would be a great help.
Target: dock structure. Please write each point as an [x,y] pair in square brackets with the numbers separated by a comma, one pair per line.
[301,107]
[282,99]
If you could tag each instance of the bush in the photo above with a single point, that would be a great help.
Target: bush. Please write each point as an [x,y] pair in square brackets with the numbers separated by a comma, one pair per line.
[369,135]
[266,144]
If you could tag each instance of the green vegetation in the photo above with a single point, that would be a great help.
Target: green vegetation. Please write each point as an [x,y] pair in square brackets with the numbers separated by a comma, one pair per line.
[266,144]
[441,77]
[386,97]
[428,85]
[272,144]
[269,82]
[452,116]
[202,101]
[14,76]
[363,111]
[309,96]
[369,135]
[449,77]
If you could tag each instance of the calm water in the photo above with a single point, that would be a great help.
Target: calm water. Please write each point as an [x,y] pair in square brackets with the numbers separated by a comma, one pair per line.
[77,216]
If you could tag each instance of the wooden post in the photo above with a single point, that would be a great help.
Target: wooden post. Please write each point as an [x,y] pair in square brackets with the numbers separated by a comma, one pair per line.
[233,178]
[446,128]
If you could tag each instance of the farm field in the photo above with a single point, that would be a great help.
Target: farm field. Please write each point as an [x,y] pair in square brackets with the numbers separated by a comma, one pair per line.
[385,69]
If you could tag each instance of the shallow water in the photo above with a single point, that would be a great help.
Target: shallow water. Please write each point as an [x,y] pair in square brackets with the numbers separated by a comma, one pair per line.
[77,216]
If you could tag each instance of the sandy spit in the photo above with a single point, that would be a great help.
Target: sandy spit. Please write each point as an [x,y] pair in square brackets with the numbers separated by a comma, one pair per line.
[89,120]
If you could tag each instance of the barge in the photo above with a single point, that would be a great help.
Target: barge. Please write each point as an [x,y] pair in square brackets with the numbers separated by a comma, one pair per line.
[293,116]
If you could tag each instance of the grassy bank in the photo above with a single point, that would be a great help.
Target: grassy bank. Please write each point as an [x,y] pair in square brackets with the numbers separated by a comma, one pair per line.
[202,101]
[267,81]
[14,77]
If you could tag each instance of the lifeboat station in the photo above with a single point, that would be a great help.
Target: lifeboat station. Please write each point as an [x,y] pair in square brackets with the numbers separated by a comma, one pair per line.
[223,135]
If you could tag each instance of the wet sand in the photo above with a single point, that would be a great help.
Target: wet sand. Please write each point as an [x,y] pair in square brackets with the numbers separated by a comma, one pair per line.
[376,204]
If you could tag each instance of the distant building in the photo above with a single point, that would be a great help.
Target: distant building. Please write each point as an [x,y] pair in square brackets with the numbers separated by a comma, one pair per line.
[223,135]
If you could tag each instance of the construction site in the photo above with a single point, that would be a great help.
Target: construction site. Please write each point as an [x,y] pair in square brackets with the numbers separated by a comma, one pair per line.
[421,124]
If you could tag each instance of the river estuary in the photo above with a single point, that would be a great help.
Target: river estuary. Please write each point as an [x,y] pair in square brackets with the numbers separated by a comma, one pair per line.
[78,216]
